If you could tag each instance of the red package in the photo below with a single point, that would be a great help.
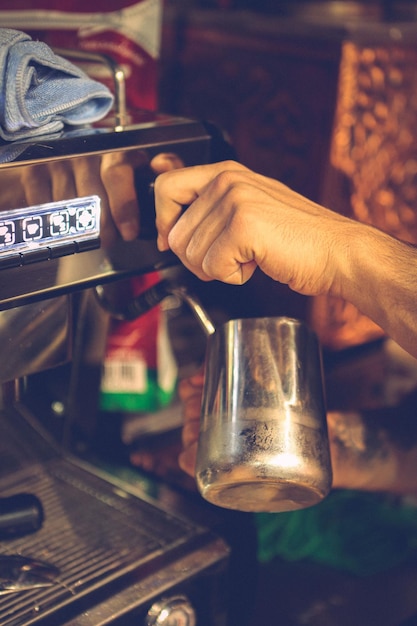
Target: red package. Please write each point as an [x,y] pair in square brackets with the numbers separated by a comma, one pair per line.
[128,32]
[139,368]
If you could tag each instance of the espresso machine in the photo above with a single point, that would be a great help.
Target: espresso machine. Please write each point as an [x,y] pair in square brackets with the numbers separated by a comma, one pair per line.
[79,546]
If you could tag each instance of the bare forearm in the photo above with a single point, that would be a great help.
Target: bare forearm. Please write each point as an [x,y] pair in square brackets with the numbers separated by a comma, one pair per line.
[379,276]
[238,220]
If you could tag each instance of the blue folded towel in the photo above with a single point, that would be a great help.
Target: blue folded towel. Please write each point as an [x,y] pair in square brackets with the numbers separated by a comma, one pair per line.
[41,92]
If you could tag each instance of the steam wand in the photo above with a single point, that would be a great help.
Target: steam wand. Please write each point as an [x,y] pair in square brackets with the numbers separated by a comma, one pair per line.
[154,296]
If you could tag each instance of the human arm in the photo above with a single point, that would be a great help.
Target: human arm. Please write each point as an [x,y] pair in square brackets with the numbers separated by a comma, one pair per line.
[238,220]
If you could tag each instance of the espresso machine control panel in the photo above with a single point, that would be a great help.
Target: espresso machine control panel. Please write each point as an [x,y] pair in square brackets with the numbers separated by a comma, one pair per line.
[49,230]
[55,202]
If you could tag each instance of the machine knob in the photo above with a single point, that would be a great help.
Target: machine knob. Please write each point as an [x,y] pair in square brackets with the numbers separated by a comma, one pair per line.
[173,611]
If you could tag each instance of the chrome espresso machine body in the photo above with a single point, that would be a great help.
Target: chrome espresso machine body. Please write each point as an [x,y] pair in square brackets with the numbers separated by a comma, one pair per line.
[123,552]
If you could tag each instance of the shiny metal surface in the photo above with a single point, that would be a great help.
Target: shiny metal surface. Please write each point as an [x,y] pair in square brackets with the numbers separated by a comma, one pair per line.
[35,337]
[172,285]
[131,602]
[142,130]
[172,611]
[263,442]
[19,573]
[140,552]
[35,280]
[54,169]
[118,546]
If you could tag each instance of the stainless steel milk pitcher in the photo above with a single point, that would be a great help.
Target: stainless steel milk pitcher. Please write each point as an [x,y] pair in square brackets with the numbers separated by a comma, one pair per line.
[263,442]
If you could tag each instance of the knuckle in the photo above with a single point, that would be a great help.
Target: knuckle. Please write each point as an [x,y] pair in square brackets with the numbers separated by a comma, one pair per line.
[233,165]
[232,185]
[225,180]
[162,182]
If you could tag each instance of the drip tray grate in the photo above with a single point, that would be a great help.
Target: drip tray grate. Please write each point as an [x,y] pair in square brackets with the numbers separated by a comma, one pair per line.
[94,532]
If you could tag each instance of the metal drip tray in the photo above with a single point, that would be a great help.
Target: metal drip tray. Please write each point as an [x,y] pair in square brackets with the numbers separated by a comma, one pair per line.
[112,548]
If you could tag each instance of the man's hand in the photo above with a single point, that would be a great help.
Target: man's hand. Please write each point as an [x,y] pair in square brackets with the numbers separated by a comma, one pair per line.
[237,220]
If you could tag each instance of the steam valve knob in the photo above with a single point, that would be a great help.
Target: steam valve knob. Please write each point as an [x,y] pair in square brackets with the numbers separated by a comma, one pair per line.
[173,611]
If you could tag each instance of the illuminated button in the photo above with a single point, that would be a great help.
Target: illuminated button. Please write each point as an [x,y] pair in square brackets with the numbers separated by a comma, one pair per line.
[7,233]
[32,228]
[51,230]
[85,219]
[59,223]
